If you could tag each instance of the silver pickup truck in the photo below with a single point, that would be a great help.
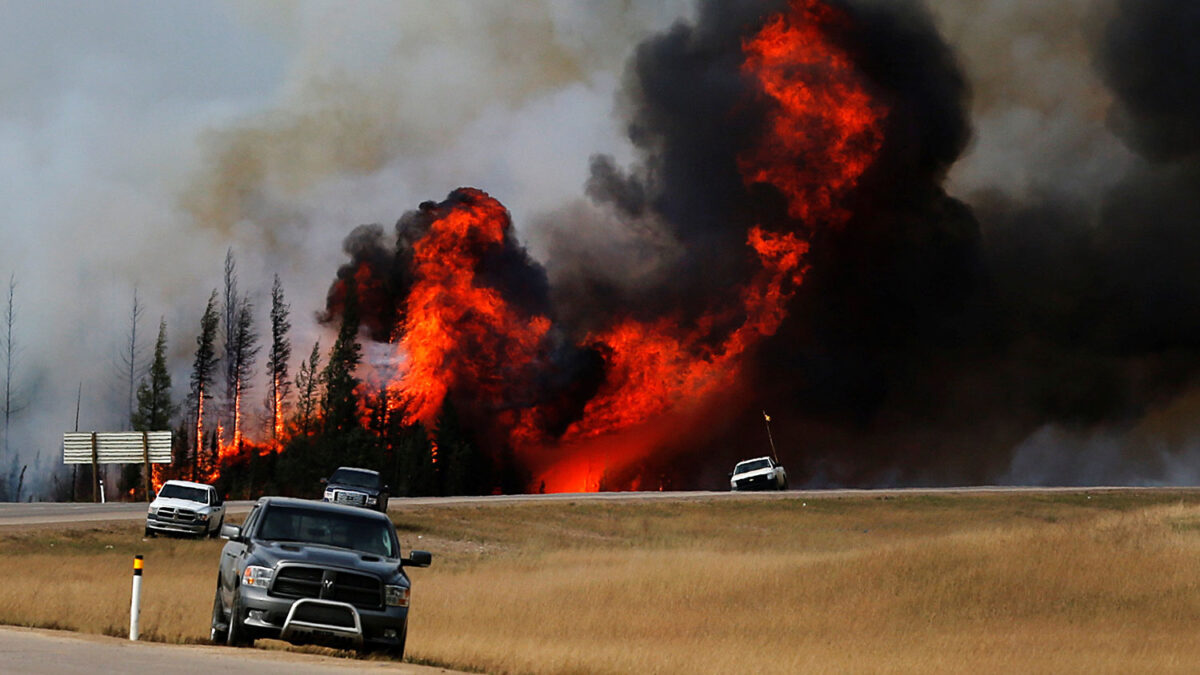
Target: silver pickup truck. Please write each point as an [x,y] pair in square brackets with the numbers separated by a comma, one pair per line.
[184,507]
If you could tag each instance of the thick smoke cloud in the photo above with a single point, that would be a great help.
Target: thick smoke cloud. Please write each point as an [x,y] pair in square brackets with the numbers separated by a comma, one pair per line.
[1045,313]
[1099,287]
[886,292]
[1013,300]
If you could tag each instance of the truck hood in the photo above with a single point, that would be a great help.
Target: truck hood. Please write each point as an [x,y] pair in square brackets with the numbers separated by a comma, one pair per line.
[752,474]
[175,503]
[271,553]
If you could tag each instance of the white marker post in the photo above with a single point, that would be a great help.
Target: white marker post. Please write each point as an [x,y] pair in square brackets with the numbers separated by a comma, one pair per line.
[136,602]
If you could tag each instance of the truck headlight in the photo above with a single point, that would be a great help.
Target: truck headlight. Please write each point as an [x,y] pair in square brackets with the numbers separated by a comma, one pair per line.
[397,596]
[255,575]
[202,517]
[371,500]
[329,495]
[153,510]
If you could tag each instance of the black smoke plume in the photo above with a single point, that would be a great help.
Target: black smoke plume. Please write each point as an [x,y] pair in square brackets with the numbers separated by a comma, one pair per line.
[931,336]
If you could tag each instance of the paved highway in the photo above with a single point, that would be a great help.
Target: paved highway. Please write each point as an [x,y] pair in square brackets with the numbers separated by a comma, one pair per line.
[42,513]
[43,652]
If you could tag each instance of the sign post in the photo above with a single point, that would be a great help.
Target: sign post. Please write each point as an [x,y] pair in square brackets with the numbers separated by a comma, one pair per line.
[95,470]
[120,447]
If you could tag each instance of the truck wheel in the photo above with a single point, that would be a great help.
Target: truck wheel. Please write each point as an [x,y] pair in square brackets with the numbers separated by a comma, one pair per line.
[218,634]
[237,635]
[150,534]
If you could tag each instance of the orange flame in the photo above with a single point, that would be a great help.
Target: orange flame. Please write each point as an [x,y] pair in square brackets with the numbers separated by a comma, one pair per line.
[824,126]
[822,131]
[452,318]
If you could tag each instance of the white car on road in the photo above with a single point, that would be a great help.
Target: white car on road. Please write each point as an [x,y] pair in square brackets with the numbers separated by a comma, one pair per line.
[760,473]
[184,507]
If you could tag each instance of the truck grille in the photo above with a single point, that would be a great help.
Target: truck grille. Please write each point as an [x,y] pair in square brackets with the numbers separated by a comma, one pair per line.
[301,581]
[172,515]
[346,497]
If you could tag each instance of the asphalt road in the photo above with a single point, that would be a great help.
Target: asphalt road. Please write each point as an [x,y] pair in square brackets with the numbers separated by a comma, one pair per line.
[44,513]
[43,652]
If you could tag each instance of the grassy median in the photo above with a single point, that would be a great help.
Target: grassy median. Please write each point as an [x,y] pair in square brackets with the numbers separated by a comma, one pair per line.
[1100,582]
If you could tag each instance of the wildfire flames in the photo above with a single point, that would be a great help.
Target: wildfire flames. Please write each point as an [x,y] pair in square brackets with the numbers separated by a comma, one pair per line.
[461,336]
[464,335]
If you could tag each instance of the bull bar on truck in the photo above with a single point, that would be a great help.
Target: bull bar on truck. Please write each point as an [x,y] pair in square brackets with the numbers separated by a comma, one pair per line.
[312,617]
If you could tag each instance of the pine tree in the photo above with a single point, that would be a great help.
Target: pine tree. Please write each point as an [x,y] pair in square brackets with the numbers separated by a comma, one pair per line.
[277,360]
[229,320]
[203,370]
[308,388]
[241,357]
[340,404]
[154,406]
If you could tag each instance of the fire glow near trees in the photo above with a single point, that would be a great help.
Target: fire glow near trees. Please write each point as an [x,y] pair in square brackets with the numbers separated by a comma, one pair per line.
[470,315]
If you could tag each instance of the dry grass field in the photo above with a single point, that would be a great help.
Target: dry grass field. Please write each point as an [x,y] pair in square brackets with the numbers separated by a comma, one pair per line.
[1052,582]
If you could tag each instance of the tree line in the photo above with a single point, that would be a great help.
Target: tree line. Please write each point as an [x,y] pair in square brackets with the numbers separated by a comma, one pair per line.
[306,425]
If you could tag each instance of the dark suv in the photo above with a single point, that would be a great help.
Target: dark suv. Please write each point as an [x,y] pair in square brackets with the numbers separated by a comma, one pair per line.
[356,487]
[309,572]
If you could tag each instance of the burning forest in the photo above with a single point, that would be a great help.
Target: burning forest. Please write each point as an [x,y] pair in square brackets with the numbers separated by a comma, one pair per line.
[611,403]
[817,217]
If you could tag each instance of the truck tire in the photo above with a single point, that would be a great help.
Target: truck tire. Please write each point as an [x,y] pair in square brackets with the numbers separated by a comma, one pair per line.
[237,635]
[218,634]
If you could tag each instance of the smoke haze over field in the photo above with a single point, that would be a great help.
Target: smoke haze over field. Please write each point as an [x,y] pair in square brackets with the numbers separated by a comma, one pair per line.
[1013,299]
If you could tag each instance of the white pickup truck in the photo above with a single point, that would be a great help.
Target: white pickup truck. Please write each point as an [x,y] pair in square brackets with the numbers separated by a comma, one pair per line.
[760,473]
[184,507]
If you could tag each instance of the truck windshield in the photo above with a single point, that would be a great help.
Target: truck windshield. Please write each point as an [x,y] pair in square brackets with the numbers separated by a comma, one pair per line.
[312,526]
[363,479]
[752,465]
[191,494]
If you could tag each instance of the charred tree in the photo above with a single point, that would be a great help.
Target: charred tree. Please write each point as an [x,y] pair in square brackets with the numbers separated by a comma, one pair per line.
[130,359]
[204,368]
[230,308]
[241,359]
[277,361]
[12,398]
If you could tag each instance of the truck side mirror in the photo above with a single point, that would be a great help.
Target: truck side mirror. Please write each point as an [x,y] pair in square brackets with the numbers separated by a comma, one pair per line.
[324,481]
[231,532]
[417,559]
